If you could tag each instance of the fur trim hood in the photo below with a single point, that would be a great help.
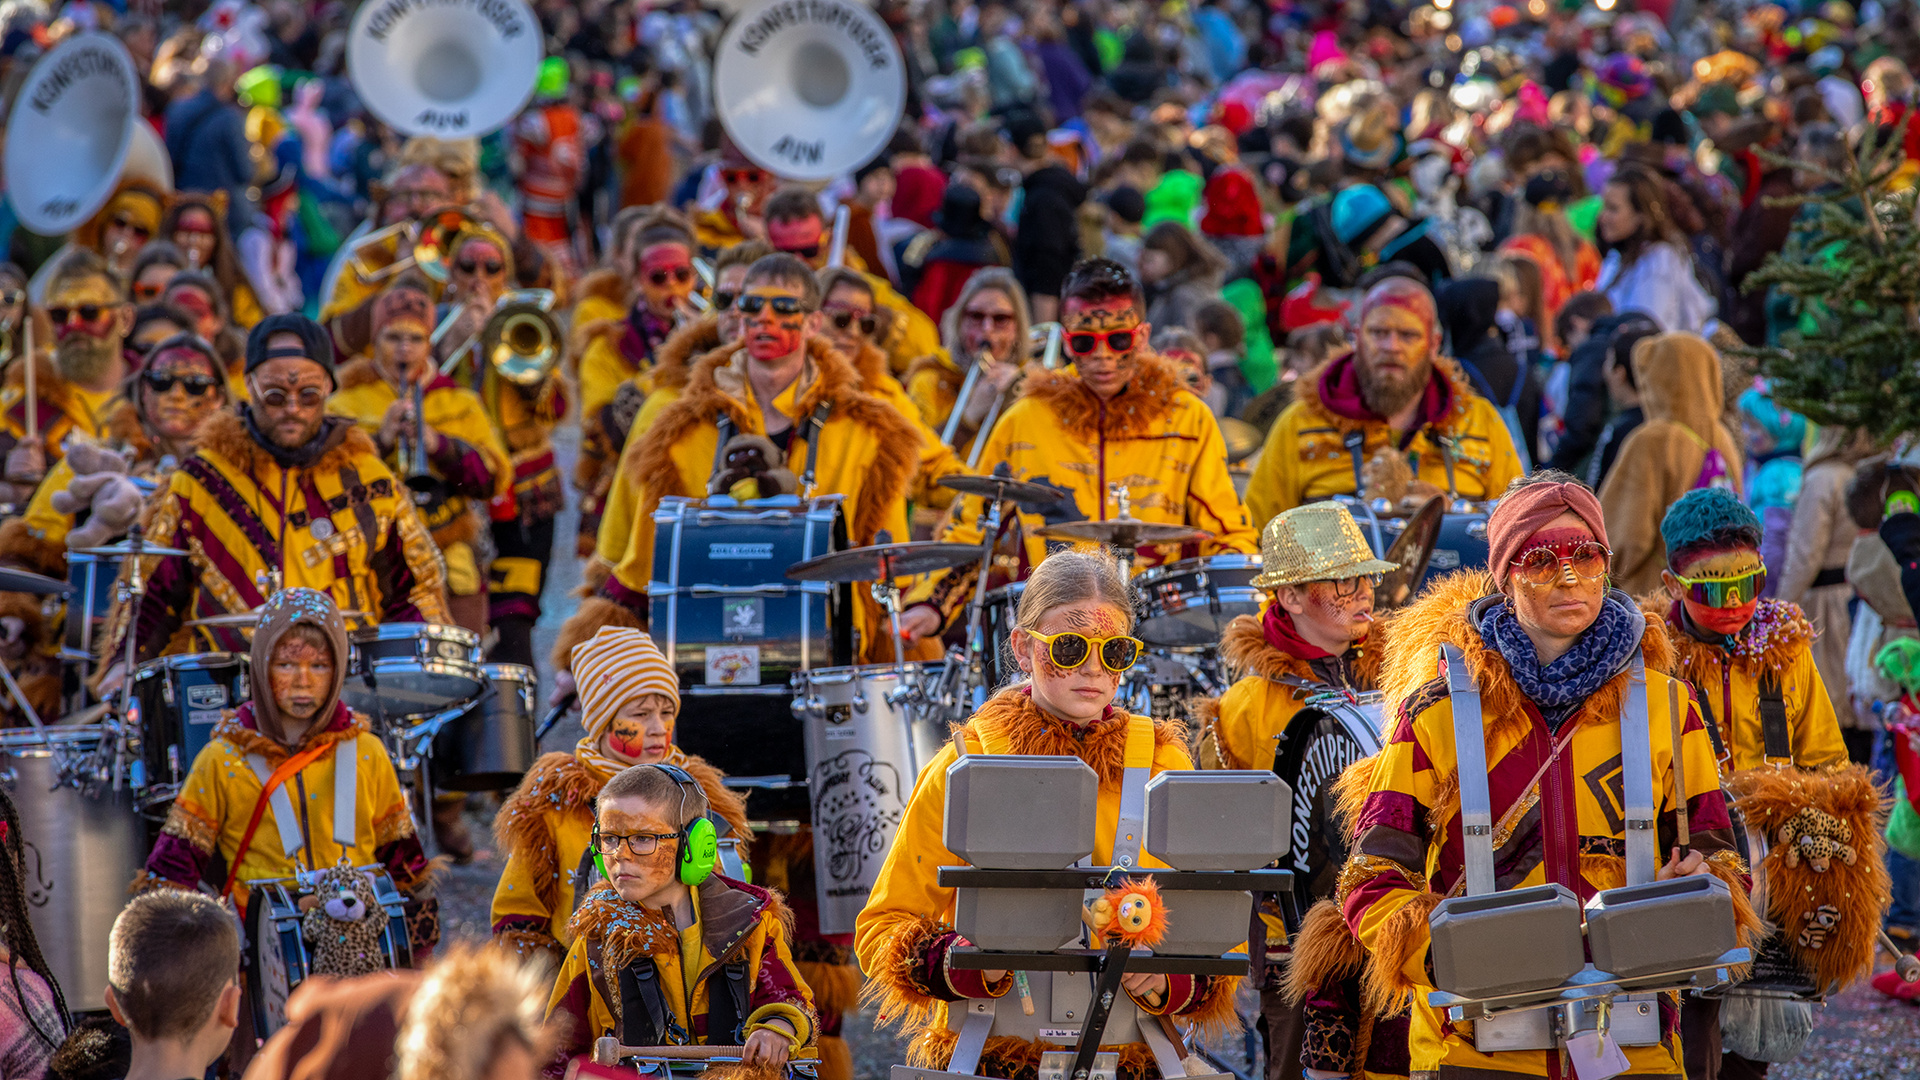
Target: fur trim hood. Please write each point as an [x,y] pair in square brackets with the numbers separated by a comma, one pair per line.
[673,360]
[225,433]
[833,379]
[1013,724]
[1245,651]
[606,284]
[1791,634]
[1135,412]
[1306,390]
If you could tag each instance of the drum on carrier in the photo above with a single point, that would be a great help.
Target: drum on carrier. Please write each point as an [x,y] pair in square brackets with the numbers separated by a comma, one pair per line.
[411,669]
[735,629]
[1334,729]
[279,952]
[84,842]
[490,746]
[177,700]
[1188,604]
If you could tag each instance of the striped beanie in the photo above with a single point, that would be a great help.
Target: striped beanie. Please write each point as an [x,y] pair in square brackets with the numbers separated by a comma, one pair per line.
[617,665]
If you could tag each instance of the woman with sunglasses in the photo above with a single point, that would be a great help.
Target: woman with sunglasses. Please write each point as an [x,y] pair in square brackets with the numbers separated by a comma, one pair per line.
[196,223]
[738,217]
[1073,640]
[159,263]
[480,270]
[130,219]
[1556,657]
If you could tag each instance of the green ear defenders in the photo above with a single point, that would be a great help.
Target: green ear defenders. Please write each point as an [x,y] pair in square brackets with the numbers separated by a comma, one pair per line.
[1902,502]
[699,843]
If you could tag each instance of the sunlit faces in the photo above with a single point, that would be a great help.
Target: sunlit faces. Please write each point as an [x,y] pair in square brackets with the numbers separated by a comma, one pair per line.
[193,234]
[1395,356]
[1079,695]
[87,306]
[847,318]
[289,395]
[404,353]
[665,274]
[1103,337]
[772,333]
[413,192]
[1330,611]
[799,237]
[479,269]
[1719,589]
[988,321]
[195,302]
[641,732]
[1563,608]
[301,673]
[178,389]
[747,187]
[640,879]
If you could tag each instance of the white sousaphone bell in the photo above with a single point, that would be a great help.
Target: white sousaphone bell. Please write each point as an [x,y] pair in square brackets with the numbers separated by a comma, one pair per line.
[452,69]
[809,91]
[75,131]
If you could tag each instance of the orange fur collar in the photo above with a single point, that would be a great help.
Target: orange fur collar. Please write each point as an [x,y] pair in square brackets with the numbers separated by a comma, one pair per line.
[1307,391]
[250,741]
[225,434]
[1245,651]
[673,360]
[1135,412]
[605,283]
[1013,724]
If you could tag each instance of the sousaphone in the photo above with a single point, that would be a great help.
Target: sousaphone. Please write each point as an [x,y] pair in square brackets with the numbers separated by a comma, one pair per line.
[809,91]
[452,69]
[75,132]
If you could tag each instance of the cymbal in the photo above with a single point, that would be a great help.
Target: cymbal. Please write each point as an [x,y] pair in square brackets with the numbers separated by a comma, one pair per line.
[89,715]
[1123,532]
[26,581]
[1003,487]
[123,549]
[883,561]
[251,619]
[1242,439]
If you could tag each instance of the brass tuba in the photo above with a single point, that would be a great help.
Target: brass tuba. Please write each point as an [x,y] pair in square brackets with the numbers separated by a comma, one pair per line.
[521,340]
[425,244]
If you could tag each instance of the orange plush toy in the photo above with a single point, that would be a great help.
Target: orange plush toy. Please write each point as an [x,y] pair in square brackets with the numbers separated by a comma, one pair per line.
[1131,911]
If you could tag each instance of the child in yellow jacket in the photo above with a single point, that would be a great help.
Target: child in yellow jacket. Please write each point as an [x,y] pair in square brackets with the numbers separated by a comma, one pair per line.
[668,952]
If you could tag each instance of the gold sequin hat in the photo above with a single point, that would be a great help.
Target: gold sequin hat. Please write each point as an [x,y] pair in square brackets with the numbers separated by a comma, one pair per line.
[1315,542]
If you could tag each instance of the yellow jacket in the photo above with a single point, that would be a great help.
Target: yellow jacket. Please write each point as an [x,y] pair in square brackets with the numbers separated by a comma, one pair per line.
[1155,437]
[664,381]
[1255,711]
[909,916]
[936,458]
[933,385]
[1306,457]
[65,408]
[544,828]
[1729,684]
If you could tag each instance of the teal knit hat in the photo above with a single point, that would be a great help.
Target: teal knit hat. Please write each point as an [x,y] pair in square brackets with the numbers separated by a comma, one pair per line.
[1706,518]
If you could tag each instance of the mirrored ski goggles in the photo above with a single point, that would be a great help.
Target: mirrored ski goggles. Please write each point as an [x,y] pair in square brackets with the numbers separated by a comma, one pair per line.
[1070,650]
[1727,590]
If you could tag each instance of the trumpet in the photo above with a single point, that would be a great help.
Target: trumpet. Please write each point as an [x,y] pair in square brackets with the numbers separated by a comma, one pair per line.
[521,340]
[952,430]
[413,456]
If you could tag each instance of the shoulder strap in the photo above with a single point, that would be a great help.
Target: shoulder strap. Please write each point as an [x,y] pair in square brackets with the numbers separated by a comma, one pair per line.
[1131,826]
[725,431]
[1775,738]
[1356,442]
[346,792]
[811,433]
[1470,763]
[583,877]
[643,1008]
[270,786]
[1712,723]
[727,1003]
[597,975]
[1636,779]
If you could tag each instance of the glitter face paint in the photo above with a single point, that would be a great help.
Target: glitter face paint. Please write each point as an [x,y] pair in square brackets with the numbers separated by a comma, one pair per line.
[1078,695]
[640,878]
[1104,371]
[1337,617]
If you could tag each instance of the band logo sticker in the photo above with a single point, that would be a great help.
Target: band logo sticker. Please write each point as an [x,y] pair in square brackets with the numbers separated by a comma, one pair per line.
[212,696]
[744,552]
[733,665]
[744,617]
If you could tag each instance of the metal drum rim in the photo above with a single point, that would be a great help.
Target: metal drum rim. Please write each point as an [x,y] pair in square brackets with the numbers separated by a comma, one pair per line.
[178,662]
[1226,560]
[434,665]
[496,671]
[847,673]
[402,631]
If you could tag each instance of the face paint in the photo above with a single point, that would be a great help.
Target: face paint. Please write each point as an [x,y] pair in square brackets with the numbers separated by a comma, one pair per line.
[300,674]
[1104,371]
[1730,563]
[642,730]
[1078,695]
[1339,617]
[665,276]
[801,237]
[1721,620]
[771,336]
[639,879]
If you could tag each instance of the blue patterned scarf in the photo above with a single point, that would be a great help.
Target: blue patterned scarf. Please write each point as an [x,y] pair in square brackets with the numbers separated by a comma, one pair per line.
[1559,688]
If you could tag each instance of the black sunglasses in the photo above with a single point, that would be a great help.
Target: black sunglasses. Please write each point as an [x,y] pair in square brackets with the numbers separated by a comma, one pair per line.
[468,266]
[61,316]
[844,319]
[195,385]
[1082,344]
[807,253]
[782,305]
[722,299]
[681,274]
[128,224]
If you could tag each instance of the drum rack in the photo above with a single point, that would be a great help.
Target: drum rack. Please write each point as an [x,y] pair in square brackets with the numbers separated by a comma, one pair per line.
[1591,984]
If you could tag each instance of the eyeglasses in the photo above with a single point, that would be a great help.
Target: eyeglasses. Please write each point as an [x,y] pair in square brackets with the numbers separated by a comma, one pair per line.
[991,318]
[63,316]
[1588,559]
[195,385]
[1070,650]
[276,397]
[782,305]
[638,843]
[1725,591]
[1083,344]
[734,177]
[679,274]
[1347,587]
[808,253]
[123,222]
[844,319]
[722,299]
[469,266]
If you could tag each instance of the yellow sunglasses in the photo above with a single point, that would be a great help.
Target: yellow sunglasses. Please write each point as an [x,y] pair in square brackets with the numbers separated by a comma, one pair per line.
[1070,650]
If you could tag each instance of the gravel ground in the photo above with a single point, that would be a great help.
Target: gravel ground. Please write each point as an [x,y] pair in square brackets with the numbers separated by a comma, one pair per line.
[1860,1035]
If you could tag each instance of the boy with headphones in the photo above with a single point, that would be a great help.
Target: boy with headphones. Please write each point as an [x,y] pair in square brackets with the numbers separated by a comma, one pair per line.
[664,950]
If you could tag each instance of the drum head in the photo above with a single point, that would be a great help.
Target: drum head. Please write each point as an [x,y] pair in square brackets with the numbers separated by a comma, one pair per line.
[413,687]
[268,980]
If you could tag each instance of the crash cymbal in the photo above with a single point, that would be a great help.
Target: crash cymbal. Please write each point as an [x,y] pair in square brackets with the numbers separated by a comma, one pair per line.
[1242,439]
[1122,532]
[1003,487]
[26,581]
[881,562]
[250,619]
[123,550]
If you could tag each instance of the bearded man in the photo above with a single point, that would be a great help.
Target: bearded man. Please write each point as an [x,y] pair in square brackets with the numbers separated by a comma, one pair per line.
[1392,400]
[83,388]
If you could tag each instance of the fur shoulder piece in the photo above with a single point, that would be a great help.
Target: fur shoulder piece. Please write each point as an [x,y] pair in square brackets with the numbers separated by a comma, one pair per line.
[933,362]
[1012,724]
[1777,636]
[358,372]
[605,283]
[1134,413]
[1307,392]
[557,781]
[491,992]
[625,929]
[1439,617]
[225,434]
[1245,651]
[673,360]
[250,741]
[872,366]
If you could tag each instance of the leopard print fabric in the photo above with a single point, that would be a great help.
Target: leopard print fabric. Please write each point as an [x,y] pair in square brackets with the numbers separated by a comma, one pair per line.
[1818,838]
[350,945]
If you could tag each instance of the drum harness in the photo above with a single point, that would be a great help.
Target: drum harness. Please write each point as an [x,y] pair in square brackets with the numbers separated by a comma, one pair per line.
[273,791]
[1476,820]
[809,432]
[1356,443]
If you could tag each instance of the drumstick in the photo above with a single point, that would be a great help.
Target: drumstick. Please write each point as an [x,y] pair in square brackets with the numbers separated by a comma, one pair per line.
[33,397]
[608,1051]
[1674,718]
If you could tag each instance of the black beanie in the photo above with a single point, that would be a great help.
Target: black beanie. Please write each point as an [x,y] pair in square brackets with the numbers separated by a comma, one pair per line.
[315,343]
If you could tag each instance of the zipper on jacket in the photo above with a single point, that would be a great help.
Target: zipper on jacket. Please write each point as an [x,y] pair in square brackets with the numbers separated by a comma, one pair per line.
[1101,452]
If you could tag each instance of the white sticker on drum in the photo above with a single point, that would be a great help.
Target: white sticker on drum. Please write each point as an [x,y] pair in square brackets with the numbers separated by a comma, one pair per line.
[212,696]
[1444,559]
[733,665]
[836,732]
[745,617]
[206,717]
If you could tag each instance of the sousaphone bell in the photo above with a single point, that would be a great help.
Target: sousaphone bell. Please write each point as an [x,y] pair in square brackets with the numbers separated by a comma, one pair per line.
[452,69]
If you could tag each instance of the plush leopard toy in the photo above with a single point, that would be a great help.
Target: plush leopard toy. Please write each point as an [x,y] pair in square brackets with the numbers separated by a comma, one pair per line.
[343,925]
[1818,838]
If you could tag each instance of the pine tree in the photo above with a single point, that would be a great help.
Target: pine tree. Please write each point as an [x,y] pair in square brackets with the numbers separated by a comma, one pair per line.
[1854,357]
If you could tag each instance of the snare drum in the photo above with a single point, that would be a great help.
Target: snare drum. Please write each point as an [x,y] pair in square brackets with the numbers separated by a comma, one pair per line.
[418,668]
[1462,543]
[490,746]
[860,771]
[81,850]
[177,700]
[278,956]
[1190,602]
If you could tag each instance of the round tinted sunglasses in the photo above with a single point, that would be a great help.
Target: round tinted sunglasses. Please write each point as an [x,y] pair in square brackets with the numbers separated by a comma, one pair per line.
[844,319]
[194,385]
[1725,591]
[679,274]
[471,266]
[1083,344]
[1070,650]
[782,305]
[1542,565]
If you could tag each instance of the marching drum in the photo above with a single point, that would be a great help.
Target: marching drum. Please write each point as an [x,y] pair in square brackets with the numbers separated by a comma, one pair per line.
[276,950]
[1334,730]
[1189,603]
[416,668]
[92,578]
[82,847]
[490,746]
[1462,541]
[860,771]
[177,700]
[996,622]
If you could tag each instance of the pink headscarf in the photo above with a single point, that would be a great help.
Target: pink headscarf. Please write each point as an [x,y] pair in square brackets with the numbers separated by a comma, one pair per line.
[1526,511]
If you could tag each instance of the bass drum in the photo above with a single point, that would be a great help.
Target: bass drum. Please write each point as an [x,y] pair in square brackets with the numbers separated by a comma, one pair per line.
[490,746]
[1329,734]
[277,955]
